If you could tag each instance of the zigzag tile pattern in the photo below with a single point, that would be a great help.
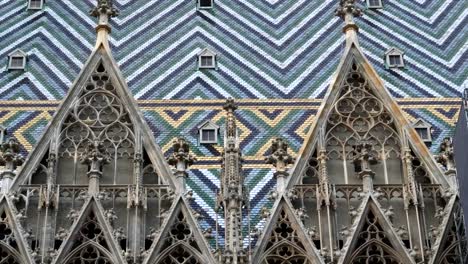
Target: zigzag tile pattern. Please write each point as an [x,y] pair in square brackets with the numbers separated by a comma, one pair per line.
[259,121]
[267,49]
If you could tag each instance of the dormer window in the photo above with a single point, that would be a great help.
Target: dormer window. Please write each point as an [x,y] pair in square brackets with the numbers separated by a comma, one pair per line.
[17,60]
[394,58]
[423,129]
[207,59]
[35,4]
[374,4]
[208,133]
[205,4]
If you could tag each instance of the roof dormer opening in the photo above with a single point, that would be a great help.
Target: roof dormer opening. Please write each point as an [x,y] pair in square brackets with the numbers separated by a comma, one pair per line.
[374,4]
[17,60]
[423,129]
[205,4]
[208,133]
[207,59]
[394,58]
[35,4]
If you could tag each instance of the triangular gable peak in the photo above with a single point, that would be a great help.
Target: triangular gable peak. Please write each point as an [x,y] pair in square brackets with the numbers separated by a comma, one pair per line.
[18,52]
[359,110]
[13,246]
[393,51]
[373,238]
[98,108]
[208,124]
[207,52]
[179,238]
[451,243]
[91,237]
[284,238]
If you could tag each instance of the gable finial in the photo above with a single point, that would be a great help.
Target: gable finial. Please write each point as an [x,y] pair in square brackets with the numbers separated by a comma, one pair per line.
[347,10]
[103,11]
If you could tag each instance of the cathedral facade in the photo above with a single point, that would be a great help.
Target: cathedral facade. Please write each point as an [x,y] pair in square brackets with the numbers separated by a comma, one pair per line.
[255,168]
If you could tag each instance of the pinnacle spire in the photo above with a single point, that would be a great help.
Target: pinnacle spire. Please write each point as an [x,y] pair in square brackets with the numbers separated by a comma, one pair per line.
[103,11]
[347,10]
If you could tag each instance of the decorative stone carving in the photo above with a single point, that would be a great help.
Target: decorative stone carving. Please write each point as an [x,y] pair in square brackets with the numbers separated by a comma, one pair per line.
[181,159]
[10,158]
[347,7]
[104,7]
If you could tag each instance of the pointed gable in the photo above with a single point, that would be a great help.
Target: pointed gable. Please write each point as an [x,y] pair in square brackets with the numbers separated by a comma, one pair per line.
[179,239]
[284,239]
[98,107]
[357,109]
[90,237]
[374,240]
[13,247]
[451,245]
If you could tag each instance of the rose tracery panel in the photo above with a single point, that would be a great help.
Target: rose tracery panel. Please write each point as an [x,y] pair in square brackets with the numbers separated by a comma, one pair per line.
[98,115]
[359,116]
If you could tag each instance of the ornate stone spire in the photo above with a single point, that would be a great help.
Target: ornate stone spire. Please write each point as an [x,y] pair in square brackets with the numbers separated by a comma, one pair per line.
[181,159]
[10,158]
[103,11]
[232,196]
[280,158]
[347,10]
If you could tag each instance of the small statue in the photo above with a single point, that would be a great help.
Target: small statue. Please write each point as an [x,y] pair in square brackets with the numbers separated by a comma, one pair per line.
[111,216]
[73,215]
[208,233]
[153,233]
[61,234]
[119,234]
[265,212]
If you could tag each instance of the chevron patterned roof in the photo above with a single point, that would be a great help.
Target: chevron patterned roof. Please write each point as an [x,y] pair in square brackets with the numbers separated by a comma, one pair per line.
[266,48]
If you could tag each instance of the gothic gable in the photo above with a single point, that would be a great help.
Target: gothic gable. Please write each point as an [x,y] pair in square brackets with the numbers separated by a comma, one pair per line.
[99,109]
[179,240]
[90,238]
[359,110]
[13,246]
[451,245]
[284,239]
[373,238]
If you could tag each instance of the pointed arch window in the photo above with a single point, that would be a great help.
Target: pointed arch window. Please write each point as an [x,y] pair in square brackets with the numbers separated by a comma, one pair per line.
[17,60]
[205,4]
[394,58]
[423,129]
[208,132]
[35,4]
[374,4]
[207,59]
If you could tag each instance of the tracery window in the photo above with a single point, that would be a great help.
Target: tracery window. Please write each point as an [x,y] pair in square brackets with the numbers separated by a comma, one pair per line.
[179,245]
[90,246]
[373,245]
[359,116]
[8,246]
[98,115]
[455,248]
[284,245]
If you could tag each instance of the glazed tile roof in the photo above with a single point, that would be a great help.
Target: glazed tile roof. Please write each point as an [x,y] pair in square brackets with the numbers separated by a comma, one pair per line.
[266,48]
